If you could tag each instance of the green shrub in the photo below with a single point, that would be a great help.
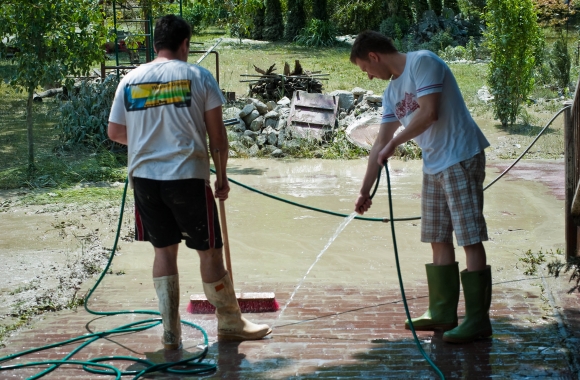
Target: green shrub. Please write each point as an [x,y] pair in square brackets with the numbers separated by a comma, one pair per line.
[395,27]
[471,49]
[317,33]
[84,117]
[513,36]
[195,16]
[560,62]
[354,16]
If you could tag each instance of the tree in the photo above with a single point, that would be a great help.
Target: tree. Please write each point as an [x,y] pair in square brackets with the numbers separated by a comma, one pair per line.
[257,32]
[512,36]
[319,10]
[453,5]
[560,62]
[420,7]
[296,19]
[54,39]
[273,21]
[436,6]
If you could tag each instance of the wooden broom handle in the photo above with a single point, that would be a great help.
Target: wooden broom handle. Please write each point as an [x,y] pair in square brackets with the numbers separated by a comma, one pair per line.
[224,226]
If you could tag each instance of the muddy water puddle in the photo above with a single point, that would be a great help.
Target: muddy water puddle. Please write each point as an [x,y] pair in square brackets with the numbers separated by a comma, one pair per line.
[275,242]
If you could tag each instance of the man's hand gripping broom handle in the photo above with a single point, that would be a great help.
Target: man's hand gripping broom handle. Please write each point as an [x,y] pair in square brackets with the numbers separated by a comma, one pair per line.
[224,226]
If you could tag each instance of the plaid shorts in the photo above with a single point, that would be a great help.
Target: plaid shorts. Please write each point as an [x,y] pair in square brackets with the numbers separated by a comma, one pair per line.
[452,200]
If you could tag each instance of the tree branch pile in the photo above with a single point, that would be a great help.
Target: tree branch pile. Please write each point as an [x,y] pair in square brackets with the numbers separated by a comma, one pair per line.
[272,86]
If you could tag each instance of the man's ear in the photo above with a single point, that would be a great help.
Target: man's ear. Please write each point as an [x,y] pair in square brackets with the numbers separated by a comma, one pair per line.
[373,57]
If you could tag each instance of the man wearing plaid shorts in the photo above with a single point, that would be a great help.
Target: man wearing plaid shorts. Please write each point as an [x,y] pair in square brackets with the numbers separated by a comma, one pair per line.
[424,98]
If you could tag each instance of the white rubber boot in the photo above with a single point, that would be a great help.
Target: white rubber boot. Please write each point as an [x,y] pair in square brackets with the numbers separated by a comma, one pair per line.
[167,288]
[231,324]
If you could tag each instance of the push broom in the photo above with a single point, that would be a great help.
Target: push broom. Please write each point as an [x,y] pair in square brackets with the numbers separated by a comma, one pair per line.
[249,302]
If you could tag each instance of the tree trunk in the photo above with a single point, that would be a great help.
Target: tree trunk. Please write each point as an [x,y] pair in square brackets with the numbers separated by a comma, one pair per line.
[29,129]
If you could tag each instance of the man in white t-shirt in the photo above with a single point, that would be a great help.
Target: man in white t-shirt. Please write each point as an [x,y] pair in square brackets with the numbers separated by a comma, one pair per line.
[424,98]
[163,112]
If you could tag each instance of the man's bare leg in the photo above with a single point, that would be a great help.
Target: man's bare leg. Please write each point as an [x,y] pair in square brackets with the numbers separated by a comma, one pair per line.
[443,253]
[165,262]
[475,257]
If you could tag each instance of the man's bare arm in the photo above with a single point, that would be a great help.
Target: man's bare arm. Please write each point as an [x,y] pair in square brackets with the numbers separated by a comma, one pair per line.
[218,139]
[425,116]
[117,133]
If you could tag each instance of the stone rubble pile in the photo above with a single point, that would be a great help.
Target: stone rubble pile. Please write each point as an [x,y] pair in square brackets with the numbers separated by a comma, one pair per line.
[262,128]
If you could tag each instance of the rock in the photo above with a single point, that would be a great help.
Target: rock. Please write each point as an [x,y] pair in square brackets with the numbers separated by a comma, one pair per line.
[246,110]
[239,127]
[251,134]
[357,91]
[261,140]
[374,99]
[277,153]
[247,141]
[281,124]
[236,145]
[269,148]
[271,105]
[271,138]
[345,98]
[271,114]
[261,107]
[281,138]
[257,124]
[271,123]
[248,119]
[231,113]
[284,101]
[253,151]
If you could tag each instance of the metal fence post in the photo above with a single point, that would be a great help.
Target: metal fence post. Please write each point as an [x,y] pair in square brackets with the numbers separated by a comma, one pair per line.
[570,160]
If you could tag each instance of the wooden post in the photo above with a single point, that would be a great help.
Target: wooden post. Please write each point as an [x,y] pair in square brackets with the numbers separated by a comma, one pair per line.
[570,158]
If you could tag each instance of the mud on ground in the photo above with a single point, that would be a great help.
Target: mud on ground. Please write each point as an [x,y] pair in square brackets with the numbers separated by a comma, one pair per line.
[49,250]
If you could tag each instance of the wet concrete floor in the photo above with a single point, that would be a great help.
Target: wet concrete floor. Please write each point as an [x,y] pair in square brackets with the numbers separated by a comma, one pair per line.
[346,320]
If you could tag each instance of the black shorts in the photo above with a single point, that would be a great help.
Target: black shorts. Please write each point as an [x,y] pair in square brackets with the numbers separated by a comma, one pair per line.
[168,211]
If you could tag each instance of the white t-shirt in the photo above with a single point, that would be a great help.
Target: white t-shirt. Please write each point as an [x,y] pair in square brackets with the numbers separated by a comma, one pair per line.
[163,105]
[455,136]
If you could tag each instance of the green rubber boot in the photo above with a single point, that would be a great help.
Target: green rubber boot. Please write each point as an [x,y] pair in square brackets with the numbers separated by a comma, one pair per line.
[443,283]
[477,294]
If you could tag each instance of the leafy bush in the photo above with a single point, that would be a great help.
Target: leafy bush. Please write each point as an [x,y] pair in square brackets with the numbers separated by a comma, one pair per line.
[560,62]
[512,36]
[84,117]
[196,16]
[317,33]
[395,27]
[451,53]
[354,16]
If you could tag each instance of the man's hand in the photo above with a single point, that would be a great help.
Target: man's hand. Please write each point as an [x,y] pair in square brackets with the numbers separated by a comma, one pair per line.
[362,204]
[222,194]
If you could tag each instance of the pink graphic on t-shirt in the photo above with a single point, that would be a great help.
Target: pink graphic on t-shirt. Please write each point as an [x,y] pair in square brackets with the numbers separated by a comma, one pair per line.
[406,106]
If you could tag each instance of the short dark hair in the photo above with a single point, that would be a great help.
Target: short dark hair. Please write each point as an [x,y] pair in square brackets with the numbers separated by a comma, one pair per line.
[170,31]
[371,41]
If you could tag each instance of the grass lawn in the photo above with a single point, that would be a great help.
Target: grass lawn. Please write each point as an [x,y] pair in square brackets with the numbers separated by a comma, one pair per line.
[57,167]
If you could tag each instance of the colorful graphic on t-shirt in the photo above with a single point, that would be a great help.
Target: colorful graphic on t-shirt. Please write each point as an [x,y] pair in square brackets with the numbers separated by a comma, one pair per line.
[141,96]
[406,106]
